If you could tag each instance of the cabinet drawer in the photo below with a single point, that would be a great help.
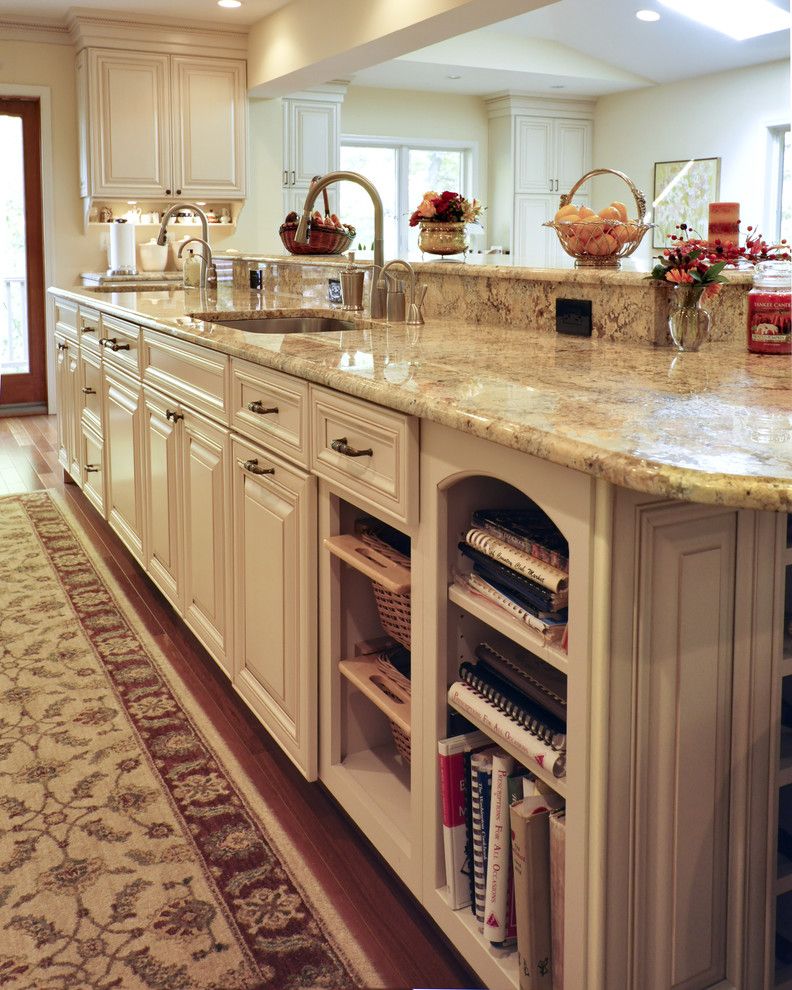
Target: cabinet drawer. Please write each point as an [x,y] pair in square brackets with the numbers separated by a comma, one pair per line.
[120,342]
[89,396]
[66,318]
[92,454]
[195,375]
[89,326]
[385,474]
[271,407]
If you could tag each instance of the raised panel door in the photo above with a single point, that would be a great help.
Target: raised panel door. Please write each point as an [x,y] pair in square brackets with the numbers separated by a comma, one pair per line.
[130,124]
[62,398]
[207,533]
[208,126]
[534,245]
[162,493]
[313,140]
[533,155]
[92,456]
[123,424]
[275,661]
[572,152]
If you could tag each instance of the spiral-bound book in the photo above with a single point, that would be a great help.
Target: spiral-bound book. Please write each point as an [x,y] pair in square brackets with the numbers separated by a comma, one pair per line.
[532,748]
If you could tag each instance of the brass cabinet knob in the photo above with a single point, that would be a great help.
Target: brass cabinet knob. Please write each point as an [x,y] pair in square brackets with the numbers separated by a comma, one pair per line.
[342,447]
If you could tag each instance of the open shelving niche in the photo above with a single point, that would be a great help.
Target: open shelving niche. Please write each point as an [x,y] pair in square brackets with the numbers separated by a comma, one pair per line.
[781,879]
[360,762]
[468,620]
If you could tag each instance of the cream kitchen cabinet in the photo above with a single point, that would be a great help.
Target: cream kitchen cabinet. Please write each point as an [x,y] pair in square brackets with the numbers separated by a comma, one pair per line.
[122,398]
[311,136]
[66,365]
[274,514]
[160,126]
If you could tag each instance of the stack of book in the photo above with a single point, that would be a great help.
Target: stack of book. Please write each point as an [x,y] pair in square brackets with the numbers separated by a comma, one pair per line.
[504,854]
[521,563]
[516,697]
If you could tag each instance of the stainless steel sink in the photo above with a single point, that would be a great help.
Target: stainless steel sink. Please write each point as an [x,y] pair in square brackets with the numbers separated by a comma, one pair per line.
[286,324]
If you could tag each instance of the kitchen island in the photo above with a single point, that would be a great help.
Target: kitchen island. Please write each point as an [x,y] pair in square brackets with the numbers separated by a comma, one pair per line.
[210,449]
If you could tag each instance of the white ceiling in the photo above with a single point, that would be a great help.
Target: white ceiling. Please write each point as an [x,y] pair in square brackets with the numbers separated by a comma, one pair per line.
[189,11]
[576,48]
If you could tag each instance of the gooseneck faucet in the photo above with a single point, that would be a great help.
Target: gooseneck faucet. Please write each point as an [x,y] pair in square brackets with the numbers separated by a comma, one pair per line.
[162,235]
[321,183]
[208,270]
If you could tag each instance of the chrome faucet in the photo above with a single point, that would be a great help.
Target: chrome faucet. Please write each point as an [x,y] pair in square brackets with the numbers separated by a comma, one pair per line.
[162,235]
[208,270]
[395,310]
[301,235]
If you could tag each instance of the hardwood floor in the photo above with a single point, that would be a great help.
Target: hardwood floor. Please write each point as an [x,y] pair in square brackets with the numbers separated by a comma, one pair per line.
[401,939]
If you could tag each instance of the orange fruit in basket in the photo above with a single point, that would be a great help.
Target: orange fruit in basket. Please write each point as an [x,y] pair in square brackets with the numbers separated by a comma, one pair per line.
[619,232]
[585,211]
[602,245]
[621,208]
[610,213]
[568,212]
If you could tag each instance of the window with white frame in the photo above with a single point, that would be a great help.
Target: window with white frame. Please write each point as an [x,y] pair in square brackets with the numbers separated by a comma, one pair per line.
[402,172]
[780,183]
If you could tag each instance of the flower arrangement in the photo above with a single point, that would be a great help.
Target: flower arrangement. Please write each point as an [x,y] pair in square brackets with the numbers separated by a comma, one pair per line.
[754,250]
[687,262]
[446,207]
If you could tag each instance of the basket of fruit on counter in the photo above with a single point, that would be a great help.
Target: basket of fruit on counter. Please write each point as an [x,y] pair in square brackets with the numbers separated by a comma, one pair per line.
[326,233]
[600,239]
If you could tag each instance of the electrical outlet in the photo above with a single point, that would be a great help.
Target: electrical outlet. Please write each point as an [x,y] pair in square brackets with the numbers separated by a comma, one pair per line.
[573,316]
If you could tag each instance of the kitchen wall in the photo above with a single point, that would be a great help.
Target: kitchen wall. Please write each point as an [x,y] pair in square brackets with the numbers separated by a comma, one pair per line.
[725,115]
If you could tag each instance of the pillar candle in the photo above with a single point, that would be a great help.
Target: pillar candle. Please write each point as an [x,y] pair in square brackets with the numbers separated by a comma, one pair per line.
[724,222]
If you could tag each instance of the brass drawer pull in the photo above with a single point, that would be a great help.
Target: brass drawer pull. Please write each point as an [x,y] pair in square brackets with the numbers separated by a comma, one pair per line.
[258,407]
[342,447]
[253,466]
[90,468]
[113,344]
[87,328]
[63,347]
[87,390]
[172,414]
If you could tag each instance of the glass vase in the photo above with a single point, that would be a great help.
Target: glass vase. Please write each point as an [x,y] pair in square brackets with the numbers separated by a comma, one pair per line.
[688,322]
[435,237]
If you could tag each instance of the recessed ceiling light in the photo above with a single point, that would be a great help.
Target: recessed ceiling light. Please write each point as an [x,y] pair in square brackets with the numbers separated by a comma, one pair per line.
[647,15]
[229,3]
[739,19]
[557,86]
[453,77]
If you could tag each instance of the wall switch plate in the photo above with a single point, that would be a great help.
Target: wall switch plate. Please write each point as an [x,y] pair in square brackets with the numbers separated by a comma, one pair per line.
[573,316]
[334,290]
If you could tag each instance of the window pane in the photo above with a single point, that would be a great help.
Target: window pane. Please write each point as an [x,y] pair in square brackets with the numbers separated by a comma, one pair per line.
[437,171]
[786,190]
[379,166]
[13,271]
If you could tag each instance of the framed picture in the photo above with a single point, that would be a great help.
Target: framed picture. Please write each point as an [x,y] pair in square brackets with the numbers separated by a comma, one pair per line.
[682,193]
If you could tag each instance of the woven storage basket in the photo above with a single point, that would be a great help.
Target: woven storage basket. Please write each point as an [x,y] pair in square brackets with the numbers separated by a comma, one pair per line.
[321,238]
[400,683]
[394,609]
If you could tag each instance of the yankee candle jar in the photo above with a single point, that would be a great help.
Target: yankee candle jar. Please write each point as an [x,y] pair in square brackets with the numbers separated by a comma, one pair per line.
[770,309]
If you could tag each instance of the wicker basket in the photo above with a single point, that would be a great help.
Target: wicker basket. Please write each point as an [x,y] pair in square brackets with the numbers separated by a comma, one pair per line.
[393,608]
[321,238]
[375,677]
[583,240]
[400,686]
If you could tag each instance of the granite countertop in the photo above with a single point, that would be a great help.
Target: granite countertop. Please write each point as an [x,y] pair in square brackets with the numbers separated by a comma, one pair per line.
[712,427]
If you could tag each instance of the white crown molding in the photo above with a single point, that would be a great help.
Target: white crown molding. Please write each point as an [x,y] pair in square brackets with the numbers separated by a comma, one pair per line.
[41,30]
[508,104]
[108,29]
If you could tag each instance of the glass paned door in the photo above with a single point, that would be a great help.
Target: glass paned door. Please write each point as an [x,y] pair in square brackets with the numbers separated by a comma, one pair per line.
[22,338]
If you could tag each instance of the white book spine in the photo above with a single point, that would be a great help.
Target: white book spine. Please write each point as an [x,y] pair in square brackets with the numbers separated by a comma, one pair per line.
[499,851]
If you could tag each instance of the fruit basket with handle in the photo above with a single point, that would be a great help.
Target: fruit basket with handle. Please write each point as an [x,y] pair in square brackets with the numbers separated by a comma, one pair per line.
[322,239]
[596,240]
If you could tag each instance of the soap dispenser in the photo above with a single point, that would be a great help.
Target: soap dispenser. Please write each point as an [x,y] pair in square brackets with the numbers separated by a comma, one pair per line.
[352,285]
[192,270]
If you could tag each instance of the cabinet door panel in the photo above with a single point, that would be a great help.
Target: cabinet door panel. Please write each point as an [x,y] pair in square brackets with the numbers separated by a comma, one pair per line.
[92,457]
[573,152]
[313,133]
[206,533]
[208,126]
[534,244]
[73,428]
[124,458]
[131,124]
[533,155]
[275,668]
[162,495]
[62,397]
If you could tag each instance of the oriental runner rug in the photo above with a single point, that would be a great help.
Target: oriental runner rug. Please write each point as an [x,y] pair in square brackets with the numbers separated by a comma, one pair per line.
[134,852]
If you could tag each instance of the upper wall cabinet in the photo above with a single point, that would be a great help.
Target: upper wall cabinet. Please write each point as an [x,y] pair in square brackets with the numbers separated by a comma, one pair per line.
[311,138]
[159,126]
[550,154]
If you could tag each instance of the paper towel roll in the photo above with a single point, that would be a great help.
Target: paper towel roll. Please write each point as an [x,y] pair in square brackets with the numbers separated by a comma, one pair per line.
[121,252]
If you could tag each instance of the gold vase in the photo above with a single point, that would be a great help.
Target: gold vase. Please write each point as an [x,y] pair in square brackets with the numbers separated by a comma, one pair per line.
[436,237]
